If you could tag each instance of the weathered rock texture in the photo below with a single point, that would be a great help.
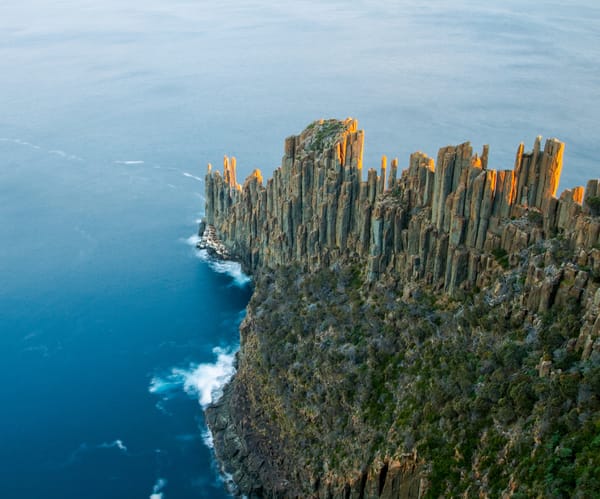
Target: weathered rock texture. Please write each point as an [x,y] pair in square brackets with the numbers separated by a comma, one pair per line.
[436,224]
[453,227]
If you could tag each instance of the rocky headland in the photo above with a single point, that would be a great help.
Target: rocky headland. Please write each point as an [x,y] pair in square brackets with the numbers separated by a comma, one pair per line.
[432,331]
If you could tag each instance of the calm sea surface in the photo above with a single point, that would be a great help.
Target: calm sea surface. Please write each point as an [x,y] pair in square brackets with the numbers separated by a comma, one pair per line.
[113,330]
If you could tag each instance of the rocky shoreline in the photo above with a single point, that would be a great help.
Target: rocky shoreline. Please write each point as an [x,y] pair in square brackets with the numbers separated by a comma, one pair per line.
[230,449]
[210,242]
[254,459]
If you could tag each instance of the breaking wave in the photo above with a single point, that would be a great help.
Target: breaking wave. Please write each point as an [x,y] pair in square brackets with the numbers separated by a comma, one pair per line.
[202,381]
[232,269]
[157,489]
[207,438]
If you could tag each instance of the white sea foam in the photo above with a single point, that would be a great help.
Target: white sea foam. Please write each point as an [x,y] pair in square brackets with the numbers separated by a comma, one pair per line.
[129,162]
[202,381]
[118,444]
[207,438]
[228,481]
[165,387]
[193,240]
[157,489]
[206,381]
[232,269]
[186,174]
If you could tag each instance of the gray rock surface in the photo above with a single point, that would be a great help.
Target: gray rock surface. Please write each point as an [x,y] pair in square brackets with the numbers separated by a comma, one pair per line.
[454,227]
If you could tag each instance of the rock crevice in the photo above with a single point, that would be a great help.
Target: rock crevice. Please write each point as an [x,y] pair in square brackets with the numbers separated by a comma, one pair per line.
[439,223]
[465,235]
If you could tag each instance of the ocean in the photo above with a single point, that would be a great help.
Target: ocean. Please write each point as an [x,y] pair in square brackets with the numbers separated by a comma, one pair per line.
[114,330]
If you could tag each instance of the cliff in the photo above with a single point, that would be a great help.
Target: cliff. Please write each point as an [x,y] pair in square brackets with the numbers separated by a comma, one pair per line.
[448,254]
[439,224]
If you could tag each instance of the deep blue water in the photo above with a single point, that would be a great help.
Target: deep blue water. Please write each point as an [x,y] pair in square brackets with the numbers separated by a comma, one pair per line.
[109,113]
[101,295]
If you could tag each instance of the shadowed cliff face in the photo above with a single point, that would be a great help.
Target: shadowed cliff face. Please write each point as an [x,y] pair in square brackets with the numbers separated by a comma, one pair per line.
[330,398]
[439,224]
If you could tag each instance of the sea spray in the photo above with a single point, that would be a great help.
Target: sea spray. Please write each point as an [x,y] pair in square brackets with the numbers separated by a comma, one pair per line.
[207,438]
[202,381]
[157,489]
[206,381]
[229,267]
[193,240]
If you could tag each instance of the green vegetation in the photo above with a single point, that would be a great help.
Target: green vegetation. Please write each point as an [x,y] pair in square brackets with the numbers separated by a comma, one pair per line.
[353,373]
[535,217]
[501,257]
[325,133]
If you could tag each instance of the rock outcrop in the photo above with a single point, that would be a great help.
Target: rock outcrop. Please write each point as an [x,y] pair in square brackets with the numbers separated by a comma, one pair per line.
[452,227]
[438,224]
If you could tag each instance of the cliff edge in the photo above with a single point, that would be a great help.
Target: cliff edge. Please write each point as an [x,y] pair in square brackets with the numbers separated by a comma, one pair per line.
[433,331]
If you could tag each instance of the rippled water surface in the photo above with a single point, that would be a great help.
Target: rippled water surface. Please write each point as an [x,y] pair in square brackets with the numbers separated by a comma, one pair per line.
[113,330]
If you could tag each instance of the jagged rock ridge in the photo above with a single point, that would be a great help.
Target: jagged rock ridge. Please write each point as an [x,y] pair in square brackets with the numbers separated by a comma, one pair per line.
[455,227]
[435,224]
